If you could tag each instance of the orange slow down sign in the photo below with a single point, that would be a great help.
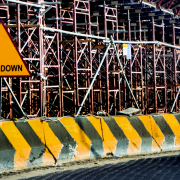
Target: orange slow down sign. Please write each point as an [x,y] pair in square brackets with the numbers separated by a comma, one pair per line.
[11,61]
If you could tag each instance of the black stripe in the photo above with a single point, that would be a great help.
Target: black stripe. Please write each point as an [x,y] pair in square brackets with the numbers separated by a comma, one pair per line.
[7,152]
[68,150]
[177,116]
[38,147]
[96,149]
[123,142]
[168,143]
[146,145]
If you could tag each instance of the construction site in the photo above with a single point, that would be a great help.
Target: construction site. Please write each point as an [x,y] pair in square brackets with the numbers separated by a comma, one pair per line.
[74,51]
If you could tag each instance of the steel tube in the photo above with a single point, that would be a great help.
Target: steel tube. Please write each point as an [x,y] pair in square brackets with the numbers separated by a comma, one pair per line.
[145,42]
[75,54]
[175,64]
[107,39]
[73,33]
[94,78]
[50,3]
[25,3]
[151,5]
[134,42]
[44,12]
[154,66]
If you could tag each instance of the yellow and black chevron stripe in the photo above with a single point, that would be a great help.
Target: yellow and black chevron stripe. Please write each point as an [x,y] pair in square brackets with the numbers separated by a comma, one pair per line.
[22,144]
[93,137]
[41,142]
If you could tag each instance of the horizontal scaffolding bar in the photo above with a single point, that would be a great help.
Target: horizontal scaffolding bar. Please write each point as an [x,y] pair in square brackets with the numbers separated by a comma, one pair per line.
[151,5]
[79,24]
[145,42]
[44,12]
[50,3]
[26,25]
[25,3]
[73,33]
[107,40]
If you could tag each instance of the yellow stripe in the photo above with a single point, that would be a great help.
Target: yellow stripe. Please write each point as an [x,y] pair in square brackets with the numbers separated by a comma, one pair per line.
[110,141]
[96,124]
[18,142]
[131,134]
[175,126]
[154,131]
[52,142]
[37,127]
[84,143]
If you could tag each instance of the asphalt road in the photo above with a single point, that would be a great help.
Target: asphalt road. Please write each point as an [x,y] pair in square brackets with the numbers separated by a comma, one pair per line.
[156,168]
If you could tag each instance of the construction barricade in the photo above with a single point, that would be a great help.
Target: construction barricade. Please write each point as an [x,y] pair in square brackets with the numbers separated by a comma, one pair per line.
[46,141]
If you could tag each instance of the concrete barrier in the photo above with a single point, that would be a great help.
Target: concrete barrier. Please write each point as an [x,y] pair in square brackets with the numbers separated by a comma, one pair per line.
[71,139]
[46,141]
[22,145]
[131,134]
[33,132]
[63,136]
[11,149]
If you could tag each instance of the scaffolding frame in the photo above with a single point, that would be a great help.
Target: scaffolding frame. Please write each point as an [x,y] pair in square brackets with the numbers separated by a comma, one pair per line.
[63,44]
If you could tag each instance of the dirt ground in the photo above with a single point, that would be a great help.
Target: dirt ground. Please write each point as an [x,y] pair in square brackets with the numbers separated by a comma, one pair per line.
[27,173]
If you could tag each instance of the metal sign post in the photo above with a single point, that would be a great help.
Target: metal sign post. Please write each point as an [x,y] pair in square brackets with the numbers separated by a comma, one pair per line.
[12,64]
[0,96]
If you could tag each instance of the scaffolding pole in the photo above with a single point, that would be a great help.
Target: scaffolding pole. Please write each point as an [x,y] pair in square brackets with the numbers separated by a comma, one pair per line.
[116,53]
[94,78]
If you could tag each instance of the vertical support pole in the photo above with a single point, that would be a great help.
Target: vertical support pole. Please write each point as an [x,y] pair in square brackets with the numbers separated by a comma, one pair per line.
[61,72]
[90,60]
[58,58]
[7,16]
[164,62]
[141,64]
[99,76]
[119,87]
[76,91]
[145,83]
[10,98]
[42,103]
[129,26]
[130,61]
[28,96]
[124,35]
[174,67]
[154,65]
[125,90]
[19,46]
[117,37]
[18,26]
[106,60]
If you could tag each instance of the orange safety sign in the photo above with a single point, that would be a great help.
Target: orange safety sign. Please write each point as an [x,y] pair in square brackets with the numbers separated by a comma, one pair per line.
[11,61]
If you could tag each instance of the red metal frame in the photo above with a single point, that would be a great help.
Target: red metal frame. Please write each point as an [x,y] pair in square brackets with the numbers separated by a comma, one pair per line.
[63,66]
